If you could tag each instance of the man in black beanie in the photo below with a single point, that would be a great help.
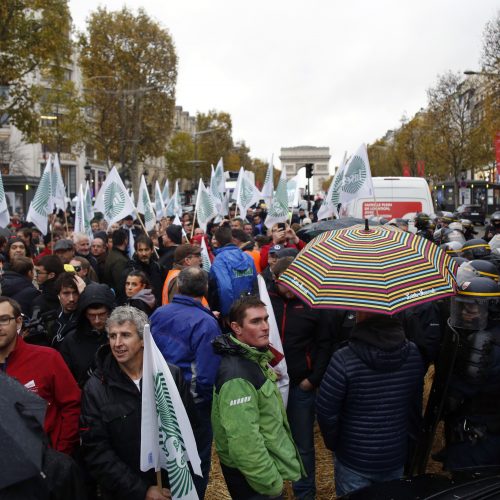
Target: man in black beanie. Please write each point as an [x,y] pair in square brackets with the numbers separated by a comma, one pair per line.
[170,241]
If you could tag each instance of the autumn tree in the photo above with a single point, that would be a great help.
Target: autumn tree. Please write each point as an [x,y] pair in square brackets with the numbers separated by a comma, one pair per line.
[129,67]
[213,139]
[180,157]
[34,35]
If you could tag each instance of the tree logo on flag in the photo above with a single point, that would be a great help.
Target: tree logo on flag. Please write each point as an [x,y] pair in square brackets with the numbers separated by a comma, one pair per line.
[246,193]
[148,215]
[355,176]
[114,200]
[206,208]
[336,189]
[41,200]
[181,482]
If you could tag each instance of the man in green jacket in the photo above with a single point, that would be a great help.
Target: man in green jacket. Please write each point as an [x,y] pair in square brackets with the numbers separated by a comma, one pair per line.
[251,431]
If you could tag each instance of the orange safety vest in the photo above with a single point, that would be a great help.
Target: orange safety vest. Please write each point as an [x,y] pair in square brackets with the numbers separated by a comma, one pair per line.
[173,273]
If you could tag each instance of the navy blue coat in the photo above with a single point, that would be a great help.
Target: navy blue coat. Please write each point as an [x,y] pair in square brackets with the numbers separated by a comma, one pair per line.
[370,397]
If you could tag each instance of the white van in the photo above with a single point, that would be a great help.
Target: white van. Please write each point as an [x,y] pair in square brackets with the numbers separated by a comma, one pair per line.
[395,197]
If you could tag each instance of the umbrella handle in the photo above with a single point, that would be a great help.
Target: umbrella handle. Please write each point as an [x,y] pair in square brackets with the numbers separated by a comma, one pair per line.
[367,227]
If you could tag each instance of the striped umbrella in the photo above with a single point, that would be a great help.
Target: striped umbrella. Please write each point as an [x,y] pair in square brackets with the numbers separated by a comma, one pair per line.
[382,269]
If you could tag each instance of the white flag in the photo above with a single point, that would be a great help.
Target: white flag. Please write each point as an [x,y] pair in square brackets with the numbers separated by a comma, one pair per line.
[159,203]
[177,222]
[80,212]
[205,257]
[89,209]
[236,190]
[205,206]
[292,189]
[268,187]
[4,210]
[166,193]
[218,186]
[113,200]
[167,440]
[357,182]
[278,211]
[332,199]
[275,341]
[174,206]
[40,208]
[145,207]
[57,189]
[248,194]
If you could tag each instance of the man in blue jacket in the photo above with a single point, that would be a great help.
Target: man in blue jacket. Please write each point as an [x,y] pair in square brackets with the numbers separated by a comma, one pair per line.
[183,331]
[232,274]
[369,402]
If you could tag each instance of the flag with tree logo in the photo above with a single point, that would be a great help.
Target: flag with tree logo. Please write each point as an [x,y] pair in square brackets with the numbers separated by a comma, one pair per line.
[292,189]
[174,206]
[40,207]
[205,209]
[278,211]
[268,187]
[218,187]
[205,257]
[82,221]
[113,200]
[89,209]
[248,194]
[4,210]
[167,440]
[166,193]
[332,199]
[145,207]
[357,181]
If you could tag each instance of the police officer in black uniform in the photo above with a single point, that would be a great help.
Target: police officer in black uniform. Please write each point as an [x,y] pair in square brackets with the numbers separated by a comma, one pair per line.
[472,402]
[493,227]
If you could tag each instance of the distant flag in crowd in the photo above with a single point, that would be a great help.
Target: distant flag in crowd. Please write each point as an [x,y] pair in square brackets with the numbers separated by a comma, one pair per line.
[40,208]
[268,187]
[205,257]
[248,194]
[218,186]
[205,209]
[89,209]
[292,190]
[275,342]
[174,206]
[4,210]
[278,210]
[237,186]
[166,193]
[357,182]
[113,199]
[332,199]
[159,202]
[82,221]
[57,189]
[144,205]
[167,438]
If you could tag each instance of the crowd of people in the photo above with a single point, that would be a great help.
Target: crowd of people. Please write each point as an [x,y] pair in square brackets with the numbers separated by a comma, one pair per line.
[72,314]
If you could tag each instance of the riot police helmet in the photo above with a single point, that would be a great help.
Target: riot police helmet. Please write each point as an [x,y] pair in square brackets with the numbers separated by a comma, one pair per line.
[469,308]
[421,220]
[476,248]
[452,248]
[495,219]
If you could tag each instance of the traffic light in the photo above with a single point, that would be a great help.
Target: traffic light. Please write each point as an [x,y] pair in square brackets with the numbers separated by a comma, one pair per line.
[309,170]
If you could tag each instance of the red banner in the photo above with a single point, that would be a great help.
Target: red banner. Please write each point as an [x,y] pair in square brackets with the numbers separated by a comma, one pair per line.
[420,168]
[497,151]
[406,170]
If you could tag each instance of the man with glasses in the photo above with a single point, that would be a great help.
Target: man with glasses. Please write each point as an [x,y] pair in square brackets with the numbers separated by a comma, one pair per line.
[46,272]
[80,345]
[42,371]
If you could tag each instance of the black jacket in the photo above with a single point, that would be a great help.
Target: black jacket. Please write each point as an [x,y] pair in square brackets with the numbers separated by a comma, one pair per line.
[20,288]
[167,258]
[111,429]
[48,300]
[80,346]
[153,271]
[305,335]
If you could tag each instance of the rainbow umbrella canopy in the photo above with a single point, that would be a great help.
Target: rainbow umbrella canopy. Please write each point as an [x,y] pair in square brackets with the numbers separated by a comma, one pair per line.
[380,269]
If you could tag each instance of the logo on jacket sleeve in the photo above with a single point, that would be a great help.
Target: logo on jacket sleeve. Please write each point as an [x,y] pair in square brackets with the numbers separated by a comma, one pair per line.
[240,401]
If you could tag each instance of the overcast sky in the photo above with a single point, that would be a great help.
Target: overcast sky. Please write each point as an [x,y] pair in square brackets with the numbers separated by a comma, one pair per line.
[318,72]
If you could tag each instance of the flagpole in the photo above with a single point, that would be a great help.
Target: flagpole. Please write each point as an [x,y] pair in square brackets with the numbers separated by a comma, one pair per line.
[158,479]
[194,222]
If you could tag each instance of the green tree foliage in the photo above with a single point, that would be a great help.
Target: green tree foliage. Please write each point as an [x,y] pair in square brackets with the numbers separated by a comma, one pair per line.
[129,66]
[180,156]
[34,35]
[213,139]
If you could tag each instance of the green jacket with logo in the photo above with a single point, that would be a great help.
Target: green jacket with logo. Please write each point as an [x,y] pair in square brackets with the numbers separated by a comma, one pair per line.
[250,426]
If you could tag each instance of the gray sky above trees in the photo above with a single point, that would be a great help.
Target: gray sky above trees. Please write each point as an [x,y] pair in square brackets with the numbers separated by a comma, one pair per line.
[323,72]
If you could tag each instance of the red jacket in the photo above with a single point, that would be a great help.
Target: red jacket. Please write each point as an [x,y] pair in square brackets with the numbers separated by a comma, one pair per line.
[264,251]
[43,371]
